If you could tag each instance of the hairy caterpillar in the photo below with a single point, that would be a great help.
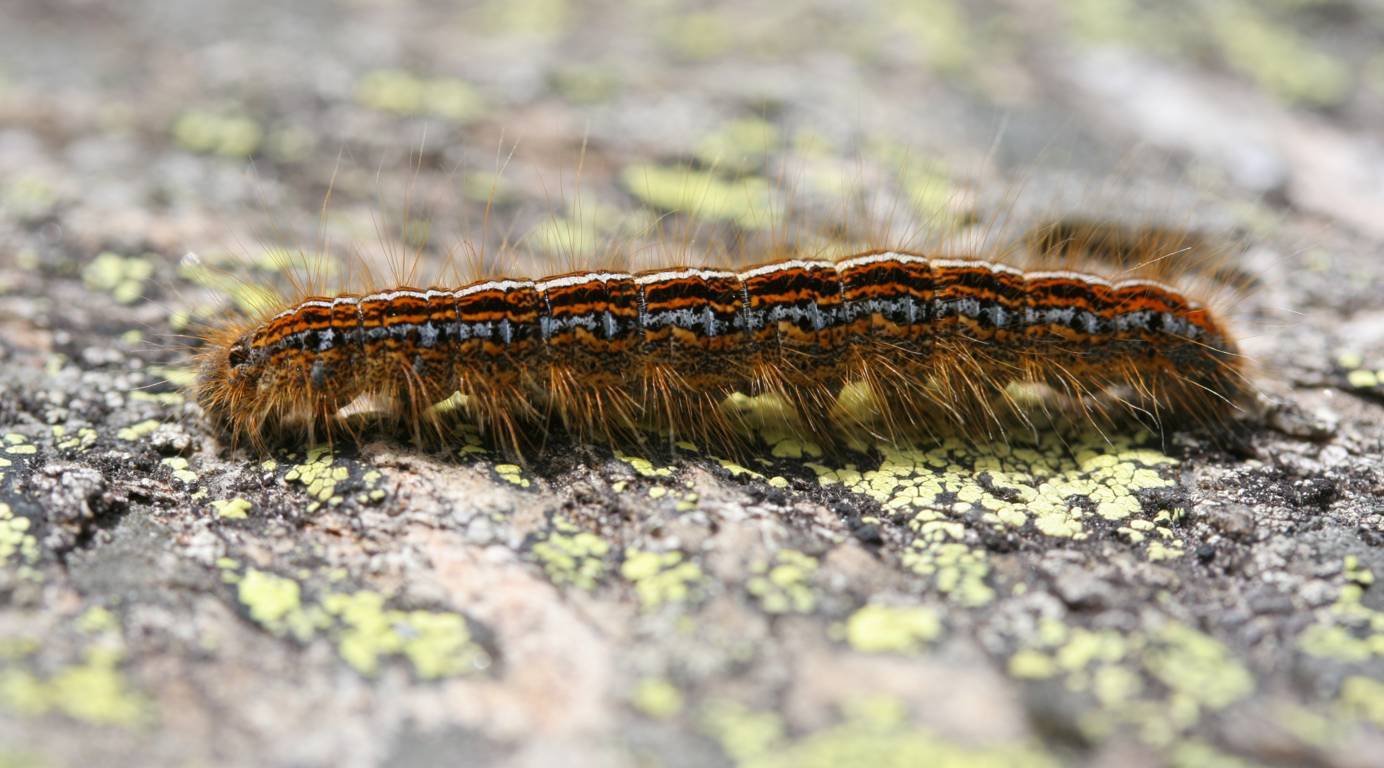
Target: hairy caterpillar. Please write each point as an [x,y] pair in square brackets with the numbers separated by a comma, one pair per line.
[937,343]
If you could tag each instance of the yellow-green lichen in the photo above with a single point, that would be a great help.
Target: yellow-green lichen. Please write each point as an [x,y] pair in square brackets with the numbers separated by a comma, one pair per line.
[737,470]
[1349,631]
[585,84]
[361,626]
[541,19]
[17,647]
[586,231]
[82,440]
[290,143]
[701,34]
[1105,21]
[436,644]
[571,556]
[662,578]
[892,629]
[28,194]
[221,272]
[1316,726]
[95,620]
[512,473]
[178,376]
[1045,484]
[1358,375]
[656,698]
[740,145]
[784,585]
[1057,488]
[136,432]
[162,398]
[743,733]
[17,444]
[93,691]
[320,475]
[1196,666]
[958,571]
[1199,754]
[874,732]
[1028,664]
[225,133]
[643,466]
[931,193]
[566,237]
[275,603]
[938,30]
[372,493]
[23,760]
[1363,697]
[232,509]
[1273,53]
[179,467]
[771,420]
[18,547]
[404,93]
[1193,674]
[705,195]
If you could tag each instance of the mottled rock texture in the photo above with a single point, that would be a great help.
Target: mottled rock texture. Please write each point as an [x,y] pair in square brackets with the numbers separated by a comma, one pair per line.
[1037,600]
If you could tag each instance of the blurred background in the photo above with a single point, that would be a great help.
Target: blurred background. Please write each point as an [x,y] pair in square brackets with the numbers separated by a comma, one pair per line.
[166,602]
[165,125]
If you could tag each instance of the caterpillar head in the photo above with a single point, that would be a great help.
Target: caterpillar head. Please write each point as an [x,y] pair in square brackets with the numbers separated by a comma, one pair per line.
[228,384]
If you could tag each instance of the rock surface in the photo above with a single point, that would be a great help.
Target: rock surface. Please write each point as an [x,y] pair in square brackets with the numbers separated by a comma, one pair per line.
[165,600]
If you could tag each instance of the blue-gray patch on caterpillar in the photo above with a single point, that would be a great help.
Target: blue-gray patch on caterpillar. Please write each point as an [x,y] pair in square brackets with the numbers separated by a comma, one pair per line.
[996,315]
[427,335]
[912,310]
[1133,321]
[473,330]
[561,324]
[680,318]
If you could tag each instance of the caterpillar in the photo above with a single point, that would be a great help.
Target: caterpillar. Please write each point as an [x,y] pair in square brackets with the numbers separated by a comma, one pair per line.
[934,343]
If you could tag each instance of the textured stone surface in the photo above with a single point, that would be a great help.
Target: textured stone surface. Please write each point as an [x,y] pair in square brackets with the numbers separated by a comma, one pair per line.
[1037,600]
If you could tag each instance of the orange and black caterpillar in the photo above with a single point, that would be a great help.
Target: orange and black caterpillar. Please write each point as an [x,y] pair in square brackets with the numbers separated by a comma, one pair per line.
[938,343]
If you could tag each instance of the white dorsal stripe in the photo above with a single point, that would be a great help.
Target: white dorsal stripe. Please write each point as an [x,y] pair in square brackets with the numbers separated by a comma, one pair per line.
[990,265]
[647,278]
[681,274]
[1064,275]
[392,295]
[1139,282]
[769,269]
[492,285]
[586,277]
[326,304]
[876,258]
